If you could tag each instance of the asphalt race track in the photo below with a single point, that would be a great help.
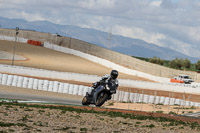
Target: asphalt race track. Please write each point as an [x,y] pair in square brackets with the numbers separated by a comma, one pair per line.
[36,95]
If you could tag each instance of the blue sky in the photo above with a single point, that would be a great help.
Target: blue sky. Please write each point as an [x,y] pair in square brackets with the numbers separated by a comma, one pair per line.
[170,23]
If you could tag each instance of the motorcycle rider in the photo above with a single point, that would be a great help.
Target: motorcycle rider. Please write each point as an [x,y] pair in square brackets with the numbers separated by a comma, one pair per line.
[108,79]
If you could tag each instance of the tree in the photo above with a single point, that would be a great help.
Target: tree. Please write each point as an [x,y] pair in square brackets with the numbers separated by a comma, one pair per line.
[156,60]
[153,60]
[186,63]
[176,63]
[197,65]
[159,61]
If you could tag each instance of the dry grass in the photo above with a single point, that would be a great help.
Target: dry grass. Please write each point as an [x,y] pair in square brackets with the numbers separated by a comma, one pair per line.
[40,118]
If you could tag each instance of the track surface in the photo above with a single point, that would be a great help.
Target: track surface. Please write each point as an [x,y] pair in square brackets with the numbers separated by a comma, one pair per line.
[10,92]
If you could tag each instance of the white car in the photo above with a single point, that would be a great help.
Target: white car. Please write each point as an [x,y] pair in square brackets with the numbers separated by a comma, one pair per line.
[185,78]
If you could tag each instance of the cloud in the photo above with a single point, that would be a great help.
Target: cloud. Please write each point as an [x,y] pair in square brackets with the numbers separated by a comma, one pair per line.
[135,32]
[164,22]
[156,3]
[97,4]
[168,4]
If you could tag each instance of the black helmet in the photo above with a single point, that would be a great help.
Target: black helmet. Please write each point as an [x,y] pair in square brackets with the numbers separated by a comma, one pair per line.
[114,74]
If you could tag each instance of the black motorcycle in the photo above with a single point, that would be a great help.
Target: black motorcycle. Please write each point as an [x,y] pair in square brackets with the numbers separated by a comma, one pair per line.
[99,95]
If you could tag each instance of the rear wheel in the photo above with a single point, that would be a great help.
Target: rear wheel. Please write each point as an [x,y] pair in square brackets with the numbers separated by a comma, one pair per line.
[102,97]
[85,101]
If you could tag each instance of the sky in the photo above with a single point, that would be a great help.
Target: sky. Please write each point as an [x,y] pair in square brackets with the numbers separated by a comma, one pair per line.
[169,23]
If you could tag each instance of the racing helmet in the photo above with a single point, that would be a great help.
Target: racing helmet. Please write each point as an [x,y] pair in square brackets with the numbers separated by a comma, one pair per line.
[114,74]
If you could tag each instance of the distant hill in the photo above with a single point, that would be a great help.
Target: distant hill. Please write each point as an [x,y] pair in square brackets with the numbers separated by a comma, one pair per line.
[125,45]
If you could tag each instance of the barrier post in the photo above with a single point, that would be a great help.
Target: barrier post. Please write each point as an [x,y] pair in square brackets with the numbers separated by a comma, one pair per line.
[189,99]
[1,77]
[128,98]
[136,100]
[183,101]
[169,102]
[173,97]
[142,100]
[154,105]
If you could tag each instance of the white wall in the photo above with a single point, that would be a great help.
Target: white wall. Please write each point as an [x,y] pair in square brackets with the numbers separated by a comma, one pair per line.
[8,38]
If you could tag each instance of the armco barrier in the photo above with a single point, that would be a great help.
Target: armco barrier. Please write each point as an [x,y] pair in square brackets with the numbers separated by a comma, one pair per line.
[19,81]
[1,77]
[146,98]
[45,85]
[66,88]
[71,87]
[14,82]
[35,84]
[75,90]
[55,86]
[25,82]
[4,79]
[50,88]
[9,80]
[40,84]
[30,83]
[60,87]
[85,89]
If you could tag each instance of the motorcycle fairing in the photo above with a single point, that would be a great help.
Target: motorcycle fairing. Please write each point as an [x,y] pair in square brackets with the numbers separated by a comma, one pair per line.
[97,92]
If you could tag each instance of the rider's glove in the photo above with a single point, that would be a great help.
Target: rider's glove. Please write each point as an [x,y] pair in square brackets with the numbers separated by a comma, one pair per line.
[113,91]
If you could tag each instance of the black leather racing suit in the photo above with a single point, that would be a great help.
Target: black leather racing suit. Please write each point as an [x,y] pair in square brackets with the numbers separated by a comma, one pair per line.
[106,79]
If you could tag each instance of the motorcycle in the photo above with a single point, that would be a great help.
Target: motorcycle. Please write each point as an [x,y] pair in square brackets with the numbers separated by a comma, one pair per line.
[99,95]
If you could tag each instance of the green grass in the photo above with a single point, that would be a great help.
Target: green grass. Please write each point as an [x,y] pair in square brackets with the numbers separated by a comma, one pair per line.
[173,113]
[111,104]
[63,129]
[149,126]
[159,112]
[184,108]
[27,109]
[138,122]
[83,129]
[25,118]
[5,124]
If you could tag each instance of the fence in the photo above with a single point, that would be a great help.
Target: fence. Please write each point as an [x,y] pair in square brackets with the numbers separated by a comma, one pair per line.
[103,53]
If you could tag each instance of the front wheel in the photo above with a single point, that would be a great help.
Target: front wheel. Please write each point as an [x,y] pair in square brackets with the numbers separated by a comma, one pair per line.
[85,101]
[102,97]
